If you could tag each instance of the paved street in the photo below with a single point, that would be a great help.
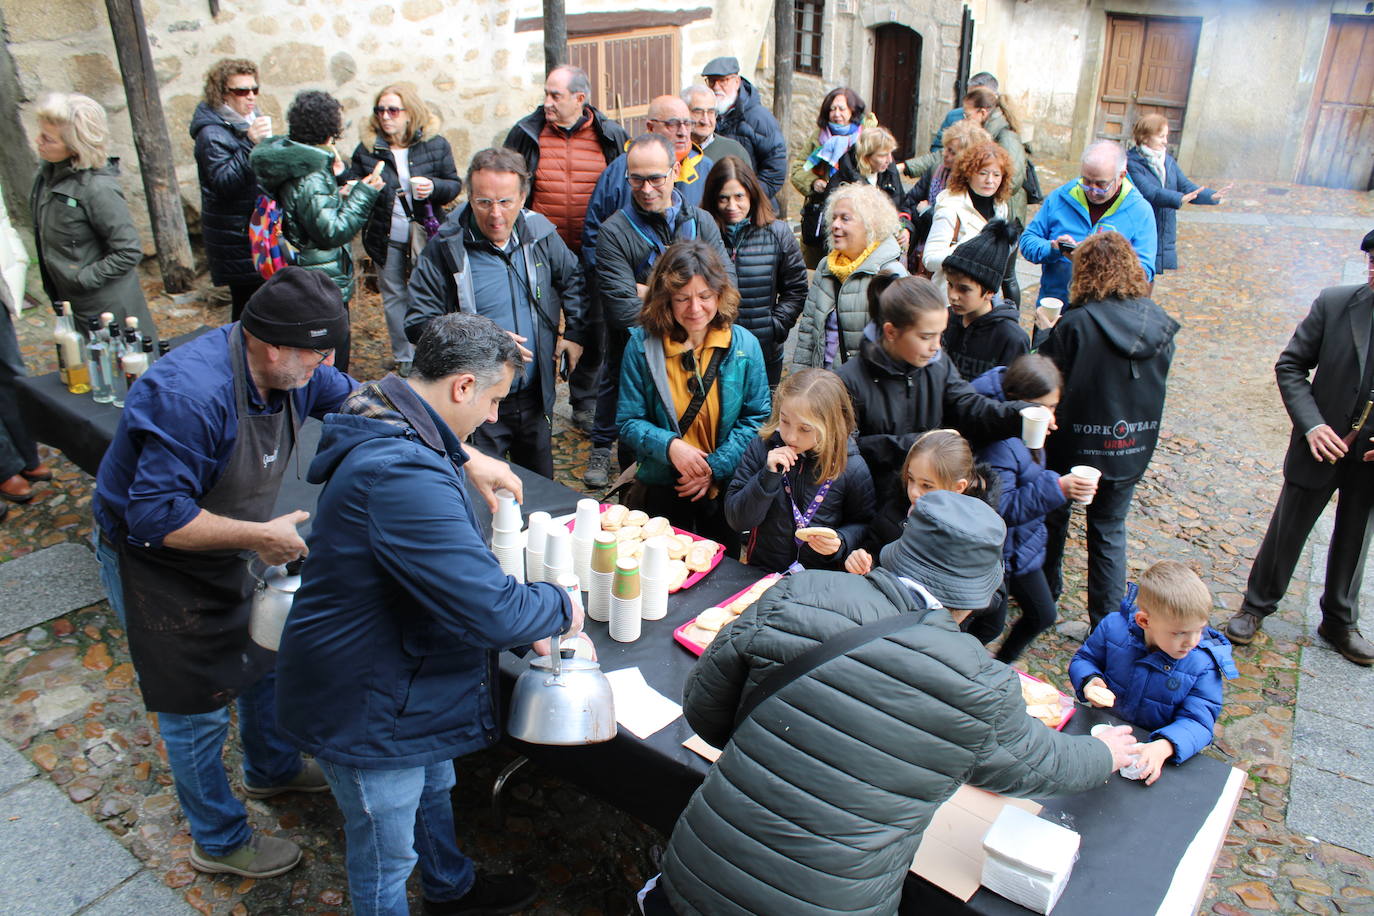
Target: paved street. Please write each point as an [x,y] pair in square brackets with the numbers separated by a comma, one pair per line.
[81,762]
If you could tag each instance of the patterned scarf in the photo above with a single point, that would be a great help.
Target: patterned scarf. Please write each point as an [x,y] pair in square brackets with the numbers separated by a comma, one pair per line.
[842,266]
[1155,159]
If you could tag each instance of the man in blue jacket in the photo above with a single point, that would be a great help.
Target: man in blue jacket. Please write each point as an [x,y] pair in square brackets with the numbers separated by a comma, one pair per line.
[1101,200]
[388,661]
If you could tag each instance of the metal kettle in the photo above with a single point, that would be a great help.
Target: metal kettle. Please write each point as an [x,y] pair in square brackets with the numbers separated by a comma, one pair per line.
[272,598]
[563,701]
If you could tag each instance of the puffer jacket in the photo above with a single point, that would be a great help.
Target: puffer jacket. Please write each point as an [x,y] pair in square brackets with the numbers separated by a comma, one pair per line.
[228,193]
[430,157]
[849,300]
[647,417]
[819,799]
[771,280]
[88,248]
[1029,491]
[1177,699]
[316,218]
[388,659]
[754,126]
[1166,198]
[757,500]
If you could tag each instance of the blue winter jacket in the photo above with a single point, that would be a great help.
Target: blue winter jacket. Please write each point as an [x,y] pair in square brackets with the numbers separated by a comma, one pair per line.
[648,420]
[1065,211]
[1165,199]
[1029,491]
[1173,699]
[387,660]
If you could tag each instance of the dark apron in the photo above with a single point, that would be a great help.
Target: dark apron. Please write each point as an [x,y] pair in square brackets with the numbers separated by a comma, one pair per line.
[188,611]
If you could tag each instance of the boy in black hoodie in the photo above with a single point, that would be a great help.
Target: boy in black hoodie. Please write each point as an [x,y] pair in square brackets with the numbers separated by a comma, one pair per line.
[984,330]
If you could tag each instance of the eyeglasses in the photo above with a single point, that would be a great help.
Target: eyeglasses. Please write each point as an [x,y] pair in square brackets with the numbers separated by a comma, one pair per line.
[384,111]
[322,354]
[1105,185]
[673,124]
[486,203]
[701,112]
[653,181]
[242,91]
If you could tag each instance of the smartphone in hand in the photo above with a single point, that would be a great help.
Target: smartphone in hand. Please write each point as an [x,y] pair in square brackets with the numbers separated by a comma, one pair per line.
[563,370]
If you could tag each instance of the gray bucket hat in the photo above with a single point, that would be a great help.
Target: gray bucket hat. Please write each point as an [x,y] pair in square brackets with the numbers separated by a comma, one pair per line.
[951,544]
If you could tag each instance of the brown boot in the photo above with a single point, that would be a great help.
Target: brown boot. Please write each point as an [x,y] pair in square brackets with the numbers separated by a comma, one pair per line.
[16,490]
[1241,629]
[38,472]
[1348,642]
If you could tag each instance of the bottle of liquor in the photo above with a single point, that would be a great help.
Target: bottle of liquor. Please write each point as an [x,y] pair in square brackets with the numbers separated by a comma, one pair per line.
[118,384]
[163,346]
[135,354]
[71,362]
[98,361]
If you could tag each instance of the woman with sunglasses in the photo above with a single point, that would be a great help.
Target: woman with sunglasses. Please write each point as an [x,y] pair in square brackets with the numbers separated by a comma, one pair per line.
[693,392]
[417,174]
[318,217]
[227,124]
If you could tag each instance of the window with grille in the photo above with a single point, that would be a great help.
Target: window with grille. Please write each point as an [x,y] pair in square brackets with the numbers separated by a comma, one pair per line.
[809,14]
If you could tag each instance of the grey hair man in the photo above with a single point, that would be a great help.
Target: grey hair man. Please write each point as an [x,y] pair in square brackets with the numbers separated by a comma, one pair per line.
[701,106]
[743,118]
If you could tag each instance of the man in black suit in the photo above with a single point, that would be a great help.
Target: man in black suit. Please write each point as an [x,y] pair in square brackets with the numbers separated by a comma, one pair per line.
[1332,422]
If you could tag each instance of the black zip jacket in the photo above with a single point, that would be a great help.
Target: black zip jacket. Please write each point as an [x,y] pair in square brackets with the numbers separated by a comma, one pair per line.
[228,192]
[430,157]
[772,280]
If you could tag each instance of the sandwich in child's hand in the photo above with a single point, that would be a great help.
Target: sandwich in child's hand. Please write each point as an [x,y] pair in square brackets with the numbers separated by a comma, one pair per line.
[816,531]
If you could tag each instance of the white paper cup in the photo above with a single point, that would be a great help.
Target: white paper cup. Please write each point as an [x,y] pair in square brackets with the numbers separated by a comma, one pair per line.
[625,619]
[538,529]
[507,511]
[511,539]
[582,558]
[599,596]
[653,598]
[267,120]
[1035,425]
[558,556]
[1087,473]
[511,561]
[653,561]
[588,519]
[1052,307]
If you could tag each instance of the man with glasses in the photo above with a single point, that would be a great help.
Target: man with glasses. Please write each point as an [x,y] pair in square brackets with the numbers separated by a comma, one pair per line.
[743,118]
[701,105]
[494,258]
[1101,200]
[631,240]
[186,489]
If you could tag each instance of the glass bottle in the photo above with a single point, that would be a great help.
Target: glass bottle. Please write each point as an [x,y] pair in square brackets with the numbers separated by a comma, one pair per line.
[135,361]
[163,346]
[71,361]
[118,384]
[98,361]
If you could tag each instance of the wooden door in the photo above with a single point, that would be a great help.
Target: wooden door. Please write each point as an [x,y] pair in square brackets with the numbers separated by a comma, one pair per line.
[1339,148]
[1148,68]
[627,70]
[896,82]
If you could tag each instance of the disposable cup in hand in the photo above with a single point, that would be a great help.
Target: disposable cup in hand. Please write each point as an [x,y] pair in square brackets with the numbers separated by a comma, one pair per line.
[588,520]
[1035,425]
[1086,473]
[653,563]
[507,511]
[557,553]
[1052,307]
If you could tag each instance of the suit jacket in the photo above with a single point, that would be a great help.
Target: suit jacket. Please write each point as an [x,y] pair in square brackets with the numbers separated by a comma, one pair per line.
[1333,339]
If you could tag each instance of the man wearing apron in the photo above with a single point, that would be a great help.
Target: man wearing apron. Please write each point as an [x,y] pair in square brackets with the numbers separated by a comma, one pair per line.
[184,500]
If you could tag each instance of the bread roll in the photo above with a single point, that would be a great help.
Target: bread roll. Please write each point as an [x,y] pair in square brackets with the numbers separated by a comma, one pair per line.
[713,618]
[1038,693]
[700,555]
[637,517]
[628,532]
[816,531]
[677,545]
[614,517]
[677,574]
[656,527]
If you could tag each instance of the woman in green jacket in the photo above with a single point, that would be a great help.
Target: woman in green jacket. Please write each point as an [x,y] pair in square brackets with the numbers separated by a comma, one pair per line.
[318,216]
[88,248]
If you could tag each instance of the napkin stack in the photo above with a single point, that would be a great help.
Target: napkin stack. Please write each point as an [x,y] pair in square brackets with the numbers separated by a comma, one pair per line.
[1028,859]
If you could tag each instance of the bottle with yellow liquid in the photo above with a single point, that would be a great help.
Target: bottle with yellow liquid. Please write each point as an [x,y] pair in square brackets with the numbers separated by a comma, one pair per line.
[71,362]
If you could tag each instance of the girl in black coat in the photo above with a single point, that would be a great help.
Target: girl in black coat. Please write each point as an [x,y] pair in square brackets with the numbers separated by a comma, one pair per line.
[768,260]
[417,169]
[802,472]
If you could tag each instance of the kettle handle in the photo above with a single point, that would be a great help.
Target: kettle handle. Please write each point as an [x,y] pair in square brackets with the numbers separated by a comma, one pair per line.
[293,568]
[555,659]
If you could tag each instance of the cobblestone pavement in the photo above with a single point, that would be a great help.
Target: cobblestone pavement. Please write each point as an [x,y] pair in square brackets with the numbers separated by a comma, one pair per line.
[1249,272]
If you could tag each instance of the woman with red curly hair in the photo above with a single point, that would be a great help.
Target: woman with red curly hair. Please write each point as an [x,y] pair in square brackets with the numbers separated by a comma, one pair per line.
[978,191]
[1113,345]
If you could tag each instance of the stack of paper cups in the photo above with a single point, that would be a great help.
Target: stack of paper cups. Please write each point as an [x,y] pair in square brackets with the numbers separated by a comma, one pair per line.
[585,528]
[653,579]
[557,554]
[625,603]
[604,554]
[507,541]
[535,534]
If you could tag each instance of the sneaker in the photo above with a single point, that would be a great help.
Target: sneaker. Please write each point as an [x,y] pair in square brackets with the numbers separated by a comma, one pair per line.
[261,857]
[490,895]
[309,779]
[598,473]
[584,420]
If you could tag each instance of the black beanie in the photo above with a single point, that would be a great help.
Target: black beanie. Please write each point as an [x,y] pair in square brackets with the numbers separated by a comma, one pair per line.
[297,307]
[1368,243]
[984,257]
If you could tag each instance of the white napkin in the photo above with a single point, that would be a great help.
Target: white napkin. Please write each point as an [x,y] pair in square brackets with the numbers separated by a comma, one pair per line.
[1029,859]
[639,707]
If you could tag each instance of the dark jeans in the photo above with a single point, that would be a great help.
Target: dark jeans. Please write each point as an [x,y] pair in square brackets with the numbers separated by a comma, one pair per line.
[987,624]
[18,451]
[521,429]
[605,432]
[583,381]
[1297,511]
[1106,522]
[772,364]
[1038,613]
[239,294]
[705,517]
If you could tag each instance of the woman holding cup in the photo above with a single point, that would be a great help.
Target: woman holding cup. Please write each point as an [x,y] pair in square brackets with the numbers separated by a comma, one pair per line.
[417,174]
[1113,345]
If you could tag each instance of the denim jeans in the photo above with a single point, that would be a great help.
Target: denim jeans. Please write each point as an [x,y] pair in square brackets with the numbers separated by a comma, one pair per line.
[195,746]
[392,818]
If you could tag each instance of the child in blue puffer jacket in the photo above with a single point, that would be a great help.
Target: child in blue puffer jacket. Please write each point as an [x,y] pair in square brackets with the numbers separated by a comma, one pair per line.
[1158,665]
[1028,492]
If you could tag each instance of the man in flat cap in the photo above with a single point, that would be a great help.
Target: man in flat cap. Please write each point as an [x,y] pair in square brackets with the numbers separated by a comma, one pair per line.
[741,117]
[1326,380]
[184,496]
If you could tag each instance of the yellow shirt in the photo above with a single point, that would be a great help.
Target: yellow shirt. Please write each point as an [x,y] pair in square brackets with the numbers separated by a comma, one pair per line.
[702,432]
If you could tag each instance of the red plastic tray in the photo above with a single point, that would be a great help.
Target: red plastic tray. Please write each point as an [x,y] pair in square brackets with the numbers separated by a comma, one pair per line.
[1065,702]
[692,578]
[696,648]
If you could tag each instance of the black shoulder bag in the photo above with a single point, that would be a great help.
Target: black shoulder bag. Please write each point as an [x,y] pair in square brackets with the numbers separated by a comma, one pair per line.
[700,390]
